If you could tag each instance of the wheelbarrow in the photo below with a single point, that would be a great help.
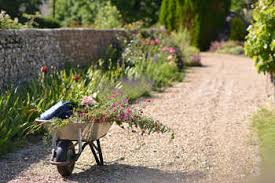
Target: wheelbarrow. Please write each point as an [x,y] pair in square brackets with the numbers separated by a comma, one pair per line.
[65,139]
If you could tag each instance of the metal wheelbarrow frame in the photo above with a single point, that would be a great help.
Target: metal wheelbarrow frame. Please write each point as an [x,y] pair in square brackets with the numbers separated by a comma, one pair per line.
[65,139]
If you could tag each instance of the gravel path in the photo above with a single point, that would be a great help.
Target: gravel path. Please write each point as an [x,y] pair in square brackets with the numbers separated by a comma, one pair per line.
[210,115]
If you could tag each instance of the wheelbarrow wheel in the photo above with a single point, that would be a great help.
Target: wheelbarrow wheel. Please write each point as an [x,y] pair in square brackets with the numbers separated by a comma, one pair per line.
[65,153]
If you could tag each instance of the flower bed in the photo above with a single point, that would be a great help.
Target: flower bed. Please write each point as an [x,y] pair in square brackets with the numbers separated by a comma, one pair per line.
[135,67]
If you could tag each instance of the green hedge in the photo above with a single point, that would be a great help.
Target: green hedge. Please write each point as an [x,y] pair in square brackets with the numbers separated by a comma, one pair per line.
[39,21]
[46,22]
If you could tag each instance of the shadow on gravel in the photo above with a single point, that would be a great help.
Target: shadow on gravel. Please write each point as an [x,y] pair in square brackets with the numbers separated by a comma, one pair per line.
[133,174]
[12,164]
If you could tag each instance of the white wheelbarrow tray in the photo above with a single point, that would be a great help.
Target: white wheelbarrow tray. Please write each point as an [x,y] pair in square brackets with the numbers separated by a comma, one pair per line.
[75,131]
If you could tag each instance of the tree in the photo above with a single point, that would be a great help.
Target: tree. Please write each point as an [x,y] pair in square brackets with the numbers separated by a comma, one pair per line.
[85,11]
[16,8]
[168,14]
[81,12]
[204,19]
[53,4]
[134,10]
[211,19]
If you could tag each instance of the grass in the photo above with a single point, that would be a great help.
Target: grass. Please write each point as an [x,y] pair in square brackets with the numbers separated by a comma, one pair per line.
[264,123]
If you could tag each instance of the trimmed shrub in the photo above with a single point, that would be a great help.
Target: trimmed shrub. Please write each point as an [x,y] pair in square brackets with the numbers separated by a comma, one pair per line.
[39,21]
[146,11]
[168,16]
[46,22]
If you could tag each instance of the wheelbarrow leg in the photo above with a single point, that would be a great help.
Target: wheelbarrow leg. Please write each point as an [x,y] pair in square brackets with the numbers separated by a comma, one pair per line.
[100,152]
[96,150]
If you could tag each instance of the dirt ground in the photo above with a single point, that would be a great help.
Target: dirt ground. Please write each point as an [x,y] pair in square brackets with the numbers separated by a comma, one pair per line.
[213,142]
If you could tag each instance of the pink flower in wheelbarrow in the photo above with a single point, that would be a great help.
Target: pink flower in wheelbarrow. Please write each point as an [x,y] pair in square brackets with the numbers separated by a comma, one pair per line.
[44,69]
[88,101]
[172,50]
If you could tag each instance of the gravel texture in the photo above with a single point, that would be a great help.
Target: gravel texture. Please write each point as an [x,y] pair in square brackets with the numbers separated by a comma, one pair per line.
[209,112]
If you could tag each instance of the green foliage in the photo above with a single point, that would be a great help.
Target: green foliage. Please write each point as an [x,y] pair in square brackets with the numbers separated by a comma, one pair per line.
[260,41]
[168,15]
[108,17]
[211,20]
[38,21]
[31,21]
[84,13]
[183,40]
[228,47]
[237,5]
[204,19]
[7,23]
[101,14]
[75,13]
[22,105]
[46,22]
[237,50]
[264,123]
[163,74]
[237,29]
[16,8]
[139,10]
[243,8]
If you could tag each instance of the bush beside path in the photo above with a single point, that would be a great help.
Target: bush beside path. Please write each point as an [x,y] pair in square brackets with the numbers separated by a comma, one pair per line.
[213,142]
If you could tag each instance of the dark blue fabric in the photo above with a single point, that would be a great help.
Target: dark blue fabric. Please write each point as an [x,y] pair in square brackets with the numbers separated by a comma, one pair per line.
[62,110]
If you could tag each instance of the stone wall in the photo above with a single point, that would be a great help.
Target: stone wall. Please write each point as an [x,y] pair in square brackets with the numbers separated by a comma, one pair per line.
[23,52]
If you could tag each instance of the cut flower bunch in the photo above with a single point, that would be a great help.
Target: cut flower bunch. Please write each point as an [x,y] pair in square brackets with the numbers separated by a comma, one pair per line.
[113,109]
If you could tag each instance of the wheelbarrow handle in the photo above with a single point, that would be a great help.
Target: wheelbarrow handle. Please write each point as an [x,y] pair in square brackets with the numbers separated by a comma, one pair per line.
[42,121]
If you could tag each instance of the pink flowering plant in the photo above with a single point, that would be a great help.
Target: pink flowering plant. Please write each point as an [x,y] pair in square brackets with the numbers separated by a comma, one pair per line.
[157,43]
